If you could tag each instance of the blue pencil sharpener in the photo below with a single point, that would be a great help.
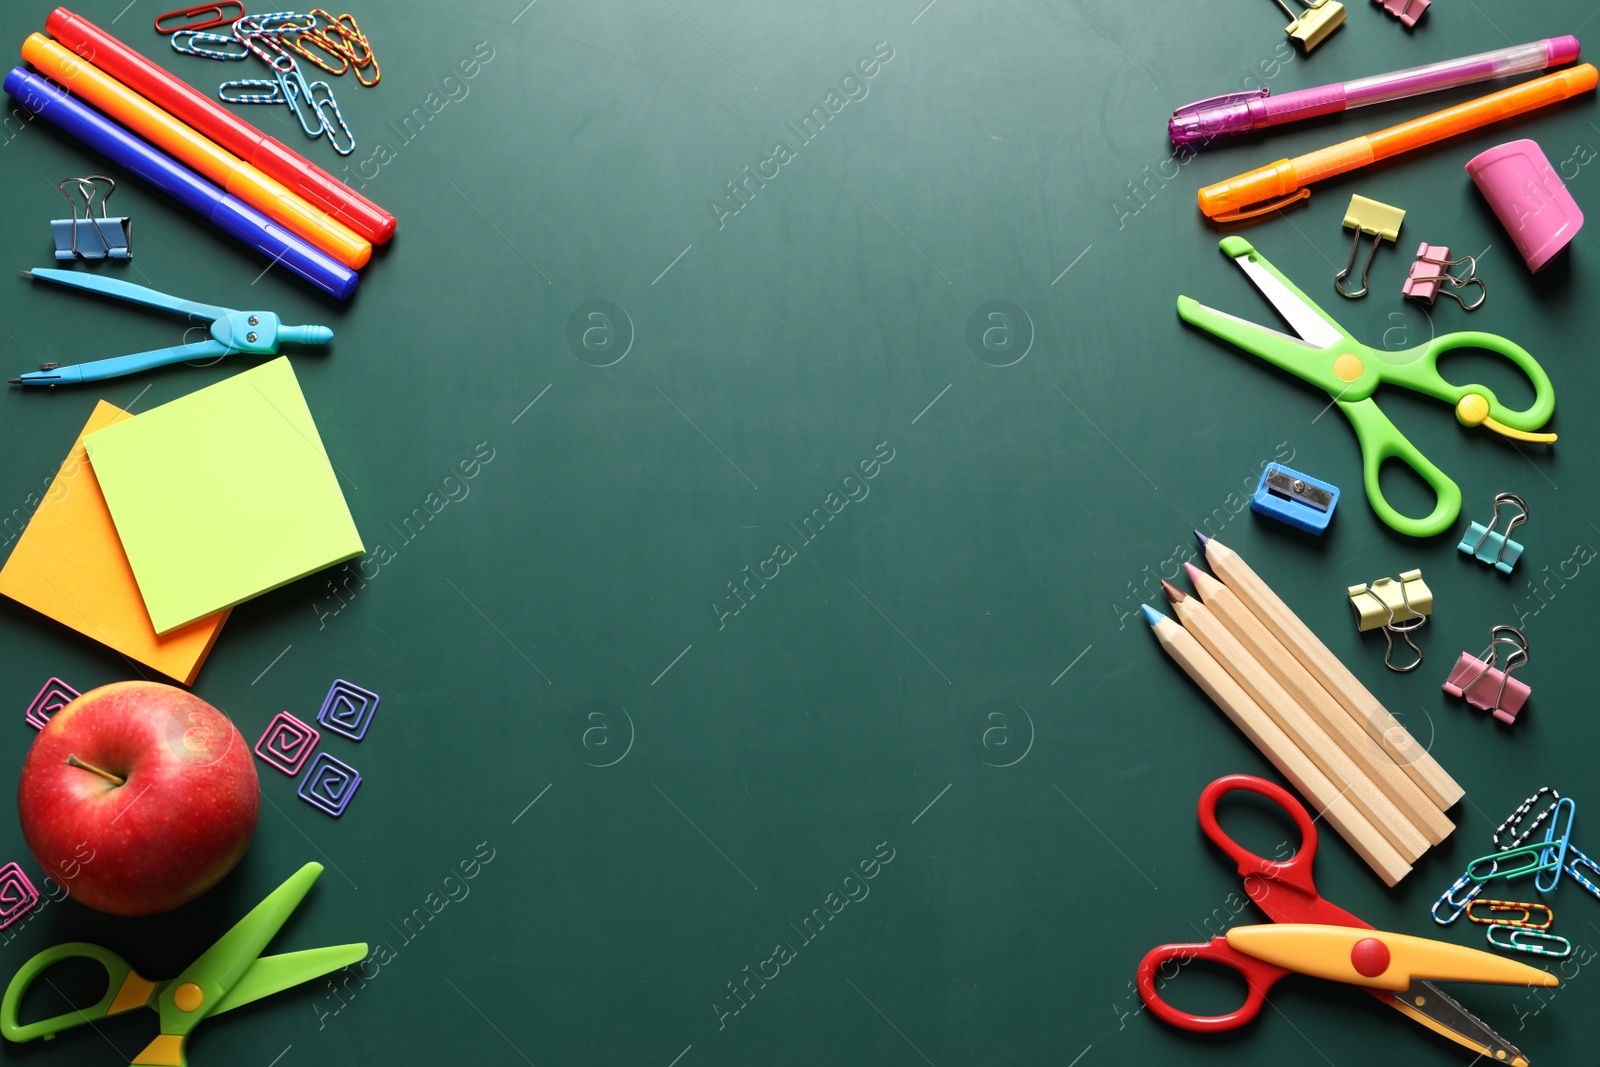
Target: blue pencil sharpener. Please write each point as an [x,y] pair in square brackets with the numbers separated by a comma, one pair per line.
[1297,499]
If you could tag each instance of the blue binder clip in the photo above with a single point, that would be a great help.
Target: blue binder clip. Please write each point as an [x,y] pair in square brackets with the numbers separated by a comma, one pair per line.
[89,237]
[1490,546]
[1297,499]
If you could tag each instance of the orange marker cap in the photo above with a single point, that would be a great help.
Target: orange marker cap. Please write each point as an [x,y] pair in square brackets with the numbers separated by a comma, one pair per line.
[1252,193]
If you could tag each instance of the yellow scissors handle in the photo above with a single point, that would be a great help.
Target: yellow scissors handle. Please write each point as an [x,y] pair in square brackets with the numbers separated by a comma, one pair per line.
[1381,441]
[125,990]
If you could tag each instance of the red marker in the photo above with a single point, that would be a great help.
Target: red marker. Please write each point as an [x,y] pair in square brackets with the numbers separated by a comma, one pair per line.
[184,102]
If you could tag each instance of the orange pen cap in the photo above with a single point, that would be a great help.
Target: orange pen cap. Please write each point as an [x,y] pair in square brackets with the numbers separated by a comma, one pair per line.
[1254,193]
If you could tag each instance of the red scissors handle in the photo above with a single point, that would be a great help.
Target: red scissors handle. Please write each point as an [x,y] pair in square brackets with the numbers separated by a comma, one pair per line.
[1258,975]
[1284,889]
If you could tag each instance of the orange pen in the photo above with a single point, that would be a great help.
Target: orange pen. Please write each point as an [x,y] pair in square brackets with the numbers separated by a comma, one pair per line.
[223,167]
[1282,183]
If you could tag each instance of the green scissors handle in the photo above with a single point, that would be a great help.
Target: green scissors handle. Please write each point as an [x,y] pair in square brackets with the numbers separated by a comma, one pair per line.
[1380,441]
[1476,405]
[125,990]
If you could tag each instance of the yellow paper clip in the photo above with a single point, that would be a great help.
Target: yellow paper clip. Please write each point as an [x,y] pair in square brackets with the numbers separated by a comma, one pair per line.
[1312,26]
[1381,222]
[1398,607]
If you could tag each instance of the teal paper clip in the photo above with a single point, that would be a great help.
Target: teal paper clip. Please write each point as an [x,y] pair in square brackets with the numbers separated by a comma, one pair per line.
[1557,849]
[1489,545]
[1535,852]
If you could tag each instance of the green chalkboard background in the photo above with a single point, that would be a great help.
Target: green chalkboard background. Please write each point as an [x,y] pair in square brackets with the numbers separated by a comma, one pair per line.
[948,683]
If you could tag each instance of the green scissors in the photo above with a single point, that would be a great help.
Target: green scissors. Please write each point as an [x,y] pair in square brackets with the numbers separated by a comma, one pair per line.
[230,974]
[1326,355]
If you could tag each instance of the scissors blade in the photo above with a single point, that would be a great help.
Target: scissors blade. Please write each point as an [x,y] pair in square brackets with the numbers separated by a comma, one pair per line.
[274,974]
[222,965]
[1307,321]
[1427,1004]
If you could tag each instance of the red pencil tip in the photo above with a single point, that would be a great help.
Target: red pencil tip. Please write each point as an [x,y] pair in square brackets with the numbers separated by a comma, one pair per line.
[1174,594]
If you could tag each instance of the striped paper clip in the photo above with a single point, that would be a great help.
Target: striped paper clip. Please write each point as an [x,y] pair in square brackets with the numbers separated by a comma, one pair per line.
[1523,940]
[1525,923]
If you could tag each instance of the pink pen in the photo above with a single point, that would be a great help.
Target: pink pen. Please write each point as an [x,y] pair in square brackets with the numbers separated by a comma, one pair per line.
[1233,113]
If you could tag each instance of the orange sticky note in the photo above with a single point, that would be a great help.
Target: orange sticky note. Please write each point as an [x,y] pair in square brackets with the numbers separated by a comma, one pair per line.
[69,565]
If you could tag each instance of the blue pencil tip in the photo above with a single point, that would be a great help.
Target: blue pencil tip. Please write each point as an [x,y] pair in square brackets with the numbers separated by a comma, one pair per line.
[1151,615]
[1202,538]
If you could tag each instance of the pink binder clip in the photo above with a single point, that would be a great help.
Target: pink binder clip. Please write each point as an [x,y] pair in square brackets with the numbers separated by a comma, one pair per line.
[1430,275]
[1476,680]
[1407,11]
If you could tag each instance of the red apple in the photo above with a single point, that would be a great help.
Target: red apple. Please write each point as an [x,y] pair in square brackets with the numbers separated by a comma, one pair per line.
[138,797]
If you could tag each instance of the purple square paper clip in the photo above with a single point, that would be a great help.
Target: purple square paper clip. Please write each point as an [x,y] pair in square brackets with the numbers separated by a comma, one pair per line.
[348,709]
[329,784]
[287,743]
[55,695]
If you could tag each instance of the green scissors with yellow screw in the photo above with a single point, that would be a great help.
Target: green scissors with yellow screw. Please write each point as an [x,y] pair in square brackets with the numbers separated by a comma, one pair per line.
[229,975]
[1326,355]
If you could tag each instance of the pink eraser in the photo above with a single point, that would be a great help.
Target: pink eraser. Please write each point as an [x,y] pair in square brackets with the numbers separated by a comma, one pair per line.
[1528,198]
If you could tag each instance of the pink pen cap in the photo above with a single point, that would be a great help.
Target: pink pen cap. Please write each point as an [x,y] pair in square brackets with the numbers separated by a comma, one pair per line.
[1528,198]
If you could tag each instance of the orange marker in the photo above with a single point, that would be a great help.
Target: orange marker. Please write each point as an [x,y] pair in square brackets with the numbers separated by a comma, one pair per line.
[177,138]
[1282,183]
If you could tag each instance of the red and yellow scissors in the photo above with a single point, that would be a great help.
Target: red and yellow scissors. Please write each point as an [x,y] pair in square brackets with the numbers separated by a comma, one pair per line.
[1309,935]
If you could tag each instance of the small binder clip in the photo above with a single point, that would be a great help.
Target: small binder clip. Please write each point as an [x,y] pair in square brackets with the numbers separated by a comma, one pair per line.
[1381,222]
[1407,11]
[1312,26]
[90,238]
[1296,499]
[1490,546]
[1487,684]
[1399,607]
[1431,272]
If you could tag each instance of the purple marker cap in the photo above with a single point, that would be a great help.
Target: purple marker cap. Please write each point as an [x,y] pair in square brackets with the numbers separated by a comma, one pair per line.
[1217,116]
[1559,50]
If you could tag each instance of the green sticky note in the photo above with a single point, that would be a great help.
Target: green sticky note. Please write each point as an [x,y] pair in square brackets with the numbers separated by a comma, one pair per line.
[222,495]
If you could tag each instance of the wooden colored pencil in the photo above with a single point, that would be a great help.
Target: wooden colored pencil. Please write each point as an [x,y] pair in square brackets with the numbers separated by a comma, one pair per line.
[1274,744]
[1268,651]
[1332,675]
[1297,723]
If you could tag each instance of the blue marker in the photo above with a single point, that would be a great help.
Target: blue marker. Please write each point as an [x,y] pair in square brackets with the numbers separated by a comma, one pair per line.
[56,106]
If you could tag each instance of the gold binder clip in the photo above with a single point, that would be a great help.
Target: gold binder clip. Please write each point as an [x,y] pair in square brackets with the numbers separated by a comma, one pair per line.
[1398,607]
[1381,222]
[1312,26]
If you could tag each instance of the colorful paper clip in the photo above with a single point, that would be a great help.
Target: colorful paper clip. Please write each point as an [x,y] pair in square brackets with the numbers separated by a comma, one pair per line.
[1407,11]
[1557,849]
[1379,221]
[1525,923]
[348,709]
[1312,26]
[73,236]
[287,743]
[55,695]
[1489,545]
[1577,863]
[189,43]
[1449,897]
[1473,679]
[1536,863]
[1518,938]
[1514,820]
[218,12]
[1399,607]
[17,895]
[1294,499]
[329,784]
[1431,272]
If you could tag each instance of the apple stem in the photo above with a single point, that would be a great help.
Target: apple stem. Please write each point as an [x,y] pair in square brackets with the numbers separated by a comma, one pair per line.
[74,761]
